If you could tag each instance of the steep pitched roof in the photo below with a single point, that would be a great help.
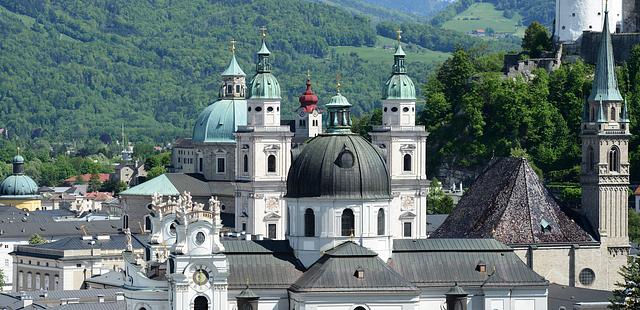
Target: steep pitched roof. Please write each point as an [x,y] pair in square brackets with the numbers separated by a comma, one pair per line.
[509,203]
[336,271]
[605,86]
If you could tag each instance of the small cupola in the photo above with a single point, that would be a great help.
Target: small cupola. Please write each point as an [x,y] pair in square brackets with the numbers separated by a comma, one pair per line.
[339,113]
[234,86]
[308,100]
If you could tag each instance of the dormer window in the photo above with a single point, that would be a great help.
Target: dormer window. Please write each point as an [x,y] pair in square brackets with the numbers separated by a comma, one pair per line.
[481,267]
[359,273]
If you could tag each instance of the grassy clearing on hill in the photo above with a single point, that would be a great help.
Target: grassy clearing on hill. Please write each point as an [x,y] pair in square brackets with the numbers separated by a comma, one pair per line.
[485,15]
[384,50]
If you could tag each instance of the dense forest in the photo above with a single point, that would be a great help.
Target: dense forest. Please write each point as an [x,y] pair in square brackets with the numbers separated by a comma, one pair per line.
[74,72]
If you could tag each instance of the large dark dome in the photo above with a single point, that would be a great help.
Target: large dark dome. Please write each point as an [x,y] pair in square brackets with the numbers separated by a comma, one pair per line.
[342,166]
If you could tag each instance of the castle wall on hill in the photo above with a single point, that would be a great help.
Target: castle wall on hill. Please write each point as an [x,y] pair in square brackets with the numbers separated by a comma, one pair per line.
[630,15]
[622,45]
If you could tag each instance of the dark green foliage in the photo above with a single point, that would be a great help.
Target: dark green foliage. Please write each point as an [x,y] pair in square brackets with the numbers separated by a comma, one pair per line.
[531,10]
[627,296]
[474,115]
[536,40]
[451,11]
[113,186]
[364,124]
[37,239]
[634,226]
[94,183]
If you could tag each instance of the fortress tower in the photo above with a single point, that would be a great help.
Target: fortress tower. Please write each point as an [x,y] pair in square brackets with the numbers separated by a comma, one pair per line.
[575,16]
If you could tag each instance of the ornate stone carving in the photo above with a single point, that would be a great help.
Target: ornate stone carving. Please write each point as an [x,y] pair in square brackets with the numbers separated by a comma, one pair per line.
[272,204]
[407,203]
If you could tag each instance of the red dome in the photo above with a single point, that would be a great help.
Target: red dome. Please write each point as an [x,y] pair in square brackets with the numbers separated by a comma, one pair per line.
[308,100]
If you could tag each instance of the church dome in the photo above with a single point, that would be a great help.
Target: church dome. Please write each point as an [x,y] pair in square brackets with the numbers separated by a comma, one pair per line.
[18,184]
[219,121]
[264,86]
[399,86]
[339,166]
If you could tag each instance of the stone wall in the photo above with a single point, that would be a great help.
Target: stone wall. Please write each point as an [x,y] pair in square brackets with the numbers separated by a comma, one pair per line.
[587,46]
[630,16]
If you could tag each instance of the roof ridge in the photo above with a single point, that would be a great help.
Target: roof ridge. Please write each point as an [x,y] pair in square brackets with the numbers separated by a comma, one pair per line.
[526,192]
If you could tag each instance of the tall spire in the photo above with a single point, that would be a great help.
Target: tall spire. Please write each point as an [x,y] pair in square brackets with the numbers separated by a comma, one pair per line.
[398,57]
[605,86]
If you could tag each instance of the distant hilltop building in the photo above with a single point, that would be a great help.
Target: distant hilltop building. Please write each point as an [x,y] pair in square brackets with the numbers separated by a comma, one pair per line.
[573,17]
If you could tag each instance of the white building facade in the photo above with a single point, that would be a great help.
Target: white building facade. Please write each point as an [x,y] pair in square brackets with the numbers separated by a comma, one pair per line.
[576,16]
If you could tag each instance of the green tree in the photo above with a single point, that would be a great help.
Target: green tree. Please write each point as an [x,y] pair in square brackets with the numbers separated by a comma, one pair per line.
[634,226]
[156,171]
[437,201]
[627,295]
[113,186]
[536,40]
[37,239]
[94,183]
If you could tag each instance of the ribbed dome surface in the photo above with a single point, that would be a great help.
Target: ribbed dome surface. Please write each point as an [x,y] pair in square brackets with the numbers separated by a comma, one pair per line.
[18,185]
[264,85]
[344,166]
[219,121]
[399,86]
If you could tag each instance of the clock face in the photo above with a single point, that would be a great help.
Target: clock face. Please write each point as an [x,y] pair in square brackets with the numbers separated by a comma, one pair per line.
[315,112]
[200,277]
[301,113]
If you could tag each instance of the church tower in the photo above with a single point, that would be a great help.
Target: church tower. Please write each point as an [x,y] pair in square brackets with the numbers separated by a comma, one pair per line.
[605,160]
[309,116]
[404,146]
[263,156]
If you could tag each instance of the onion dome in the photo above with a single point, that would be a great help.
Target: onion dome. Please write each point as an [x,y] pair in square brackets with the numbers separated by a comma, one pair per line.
[264,85]
[399,85]
[219,121]
[18,184]
[308,100]
[339,164]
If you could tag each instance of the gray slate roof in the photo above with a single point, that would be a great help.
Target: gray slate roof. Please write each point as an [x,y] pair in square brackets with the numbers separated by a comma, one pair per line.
[118,305]
[568,297]
[336,271]
[318,170]
[18,224]
[508,202]
[14,303]
[264,264]
[56,249]
[443,262]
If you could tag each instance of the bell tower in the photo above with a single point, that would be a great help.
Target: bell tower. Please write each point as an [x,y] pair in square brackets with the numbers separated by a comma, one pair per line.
[263,156]
[605,160]
[309,116]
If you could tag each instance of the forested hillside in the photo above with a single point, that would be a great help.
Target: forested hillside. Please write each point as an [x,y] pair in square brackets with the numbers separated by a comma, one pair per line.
[76,71]
[531,10]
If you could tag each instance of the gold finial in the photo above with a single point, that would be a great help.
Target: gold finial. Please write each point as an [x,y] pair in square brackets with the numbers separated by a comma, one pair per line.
[399,35]
[233,46]
[18,150]
[263,31]
[308,74]
[338,85]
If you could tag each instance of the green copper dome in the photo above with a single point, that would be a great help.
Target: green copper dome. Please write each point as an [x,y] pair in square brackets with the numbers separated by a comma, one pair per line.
[343,166]
[219,121]
[264,85]
[18,184]
[399,85]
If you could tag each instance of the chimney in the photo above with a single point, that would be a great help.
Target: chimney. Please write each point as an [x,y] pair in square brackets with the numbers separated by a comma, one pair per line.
[100,298]
[259,237]
[104,237]
[247,237]
[26,300]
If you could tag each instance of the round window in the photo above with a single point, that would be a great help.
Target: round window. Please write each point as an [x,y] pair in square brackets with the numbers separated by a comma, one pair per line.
[270,109]
[394,109]
[385,109]
[200,238]
[172,229]
[249,109]
[405,109]
[258,109]
[345,160]
[587,276]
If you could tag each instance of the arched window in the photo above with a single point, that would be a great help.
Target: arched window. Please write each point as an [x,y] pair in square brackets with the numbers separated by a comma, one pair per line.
[56,282]
[245,163]
[46,282]
[592,162]
[37,281]
[407,162]
[20,279]
[592,116]
[271,163]
[309,223]
[29,279]
[380,222]
[348,223]
[613,113]
[614,159]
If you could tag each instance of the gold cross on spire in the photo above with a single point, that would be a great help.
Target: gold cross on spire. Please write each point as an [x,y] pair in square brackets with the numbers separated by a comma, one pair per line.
[263,32]
[399,35]
[18,150]
[233,45]
[338,85]
[308,74]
